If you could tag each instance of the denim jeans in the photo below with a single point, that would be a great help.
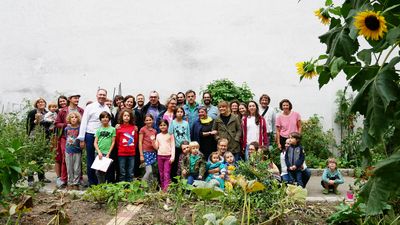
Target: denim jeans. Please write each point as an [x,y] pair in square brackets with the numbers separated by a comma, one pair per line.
[126,165]
[306,174]
[296,176]
[90,157]
[192,177]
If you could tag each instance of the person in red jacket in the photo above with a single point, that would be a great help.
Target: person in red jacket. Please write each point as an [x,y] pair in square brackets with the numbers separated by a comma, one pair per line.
[127,140]
[61,123]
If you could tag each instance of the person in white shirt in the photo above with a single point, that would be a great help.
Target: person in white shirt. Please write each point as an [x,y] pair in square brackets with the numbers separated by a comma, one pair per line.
[269,115]
[89,124]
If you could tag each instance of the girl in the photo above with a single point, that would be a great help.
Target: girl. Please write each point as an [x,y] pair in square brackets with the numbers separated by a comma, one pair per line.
[104,142]
[230,166]
[218,175]
[165,145]
[147,152]
[284,174]
[127,140]
[294,158]
[73,151]
[180,129]
[331,178]
[254,128]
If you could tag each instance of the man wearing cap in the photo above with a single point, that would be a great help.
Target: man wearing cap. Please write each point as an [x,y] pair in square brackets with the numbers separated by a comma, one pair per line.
[61,123]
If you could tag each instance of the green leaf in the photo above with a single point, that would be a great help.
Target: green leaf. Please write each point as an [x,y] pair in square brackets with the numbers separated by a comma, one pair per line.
[323,78]
[211,218]
[383,184]
[339,43]
[393,35]
[328,2]
[321,57]
[365,56]
[376,114]
[387,87]
[360,102]
[337,65]
[364,75]
[229,220]
[207,193]
[335,11]
[351,69]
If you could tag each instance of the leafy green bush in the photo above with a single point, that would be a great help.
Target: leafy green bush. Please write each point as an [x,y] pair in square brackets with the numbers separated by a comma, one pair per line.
[225,89]
[315,140]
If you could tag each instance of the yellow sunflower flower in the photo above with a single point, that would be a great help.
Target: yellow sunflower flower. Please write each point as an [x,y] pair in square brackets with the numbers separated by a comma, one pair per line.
[371,24]
[322,16]
[306,70]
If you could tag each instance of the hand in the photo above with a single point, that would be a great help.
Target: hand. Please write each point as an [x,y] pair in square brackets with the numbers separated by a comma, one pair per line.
[171,161]
[82,144]
[222,176]
[279,146]
[152,137]
[200,177]
[100,156]
[117,126]
[331,182]
[214,132]
[108,155]
[184,172]
[141,158]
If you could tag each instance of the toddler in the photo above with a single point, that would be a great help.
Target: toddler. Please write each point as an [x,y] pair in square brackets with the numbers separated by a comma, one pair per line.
[193,164]
[218,175]
[230,166]
[50,117]
[331,178]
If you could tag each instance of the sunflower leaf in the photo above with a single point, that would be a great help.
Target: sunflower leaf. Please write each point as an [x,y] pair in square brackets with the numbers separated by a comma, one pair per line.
[393,35]
[328,2]
[337,65]
[351,69]
[387,87]
[365,56]
[323,78]
[362,76]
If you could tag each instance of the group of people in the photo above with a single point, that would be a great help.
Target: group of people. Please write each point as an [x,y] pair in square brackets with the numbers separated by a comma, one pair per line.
[183,138]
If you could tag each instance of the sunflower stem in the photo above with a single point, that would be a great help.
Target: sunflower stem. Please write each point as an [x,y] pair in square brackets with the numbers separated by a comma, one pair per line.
[387,56]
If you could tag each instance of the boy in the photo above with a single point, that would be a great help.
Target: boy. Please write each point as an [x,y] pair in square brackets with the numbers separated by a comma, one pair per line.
[294,158]
[193,166]
[331,178]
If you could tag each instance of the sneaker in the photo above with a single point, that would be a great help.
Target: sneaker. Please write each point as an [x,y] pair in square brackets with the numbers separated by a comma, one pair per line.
[60,183]
[45,180]
[337,192]
[325,191]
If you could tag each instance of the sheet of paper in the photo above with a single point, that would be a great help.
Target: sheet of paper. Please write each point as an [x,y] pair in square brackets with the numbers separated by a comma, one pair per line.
[101,164]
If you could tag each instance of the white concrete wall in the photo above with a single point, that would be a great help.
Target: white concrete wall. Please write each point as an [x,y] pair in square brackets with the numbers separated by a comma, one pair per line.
[74,46]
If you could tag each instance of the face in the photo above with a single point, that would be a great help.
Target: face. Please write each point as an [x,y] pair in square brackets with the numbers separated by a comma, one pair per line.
[286,107]
[222,147]
[202,114]
[101,96]
[181,98]
[105,120]
[126,117]
[74,119]
[215,158]
[172,105]
[154,98]
[287,143]
[229,158]
[140,100]
[234,107]
[121,105]
[194,149]
[179,113]
[191,98]
[264,102]
[332,166]
[109,103]
[148,121]
[206,99]
[242,109]
[252,149]
[252,108]
[185,149]
[163,127]
[223,110]
[293,141]
[74,100]
[62,102]
[41,104]
[53,108]
[129,103]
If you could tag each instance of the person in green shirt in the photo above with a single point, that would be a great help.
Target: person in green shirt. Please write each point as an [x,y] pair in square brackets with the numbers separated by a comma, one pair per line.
[104,142]
[331,178]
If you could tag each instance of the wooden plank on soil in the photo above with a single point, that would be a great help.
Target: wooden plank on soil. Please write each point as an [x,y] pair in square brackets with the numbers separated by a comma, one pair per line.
[126,214]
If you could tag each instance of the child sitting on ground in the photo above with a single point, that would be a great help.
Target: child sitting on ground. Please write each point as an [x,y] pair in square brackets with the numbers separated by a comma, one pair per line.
[193,164]
[218,175]
[294,158]
[331,178]
[230,166]
[185,151]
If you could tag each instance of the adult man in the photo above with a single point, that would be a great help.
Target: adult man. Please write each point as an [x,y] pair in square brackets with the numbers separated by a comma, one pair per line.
[191,108]
[212,110]
[61,123]
[153,107]
[269,116]
[139,101]
[90,123]
[180,99]
[227,125]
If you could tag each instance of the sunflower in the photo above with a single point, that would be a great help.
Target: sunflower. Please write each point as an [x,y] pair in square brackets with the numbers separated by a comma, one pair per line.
[323,16]
[306,70]
[371,24]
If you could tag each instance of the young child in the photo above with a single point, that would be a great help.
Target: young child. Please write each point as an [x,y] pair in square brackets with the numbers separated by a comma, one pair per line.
[193,164]
[165,146]
[180,129]
[230,166]
[222,147]
[272,168]
[127,140]
[185,151]
[284,173]
[104,142]
[73,151]
[50,117]
[148,154]
[331,178]
[294,158]
[218,175]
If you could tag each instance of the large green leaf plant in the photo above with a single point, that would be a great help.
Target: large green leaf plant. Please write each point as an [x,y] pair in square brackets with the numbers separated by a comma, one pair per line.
[371,69]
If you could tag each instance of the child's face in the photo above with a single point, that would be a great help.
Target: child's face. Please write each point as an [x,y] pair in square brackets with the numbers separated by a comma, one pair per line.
[287,143]
[252,149]
[126,117]
[179,113]
[293,141]
[53,108]
[214,158]
[148,121]
[163,127]
[332,166]
[194,149]
[105,120]
[74,120]
[185,149]
[229,158]
[109,104]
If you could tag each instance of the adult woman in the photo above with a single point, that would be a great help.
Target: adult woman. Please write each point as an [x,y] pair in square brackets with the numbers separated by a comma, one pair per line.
[35,117]
[62,101]
[234,106]
[286,123]
[242,110]
[167,114]
[254,128]
[203,134]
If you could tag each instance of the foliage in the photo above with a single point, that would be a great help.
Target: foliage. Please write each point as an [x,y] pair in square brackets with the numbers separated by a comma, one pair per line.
[206,190]
[227,90]
[315,140]
[211,219]
[371,71]
[344,117]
